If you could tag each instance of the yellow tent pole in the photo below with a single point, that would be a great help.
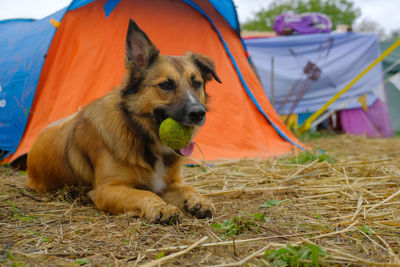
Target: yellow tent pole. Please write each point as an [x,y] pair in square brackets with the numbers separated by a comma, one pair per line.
[307,124]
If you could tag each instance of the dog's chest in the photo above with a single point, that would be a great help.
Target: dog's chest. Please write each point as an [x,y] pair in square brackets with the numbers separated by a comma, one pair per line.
[158,182]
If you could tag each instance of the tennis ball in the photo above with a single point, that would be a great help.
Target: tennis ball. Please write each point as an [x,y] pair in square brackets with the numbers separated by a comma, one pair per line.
[174,134]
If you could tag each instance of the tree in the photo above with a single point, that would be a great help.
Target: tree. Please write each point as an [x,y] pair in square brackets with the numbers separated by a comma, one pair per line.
[368,25]
[339,11]
[394,34]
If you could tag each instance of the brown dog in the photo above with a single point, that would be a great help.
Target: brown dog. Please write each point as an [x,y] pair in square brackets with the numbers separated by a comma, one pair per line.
[113,145]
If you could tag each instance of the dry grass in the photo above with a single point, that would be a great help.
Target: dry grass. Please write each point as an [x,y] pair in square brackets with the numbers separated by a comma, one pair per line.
[350,209]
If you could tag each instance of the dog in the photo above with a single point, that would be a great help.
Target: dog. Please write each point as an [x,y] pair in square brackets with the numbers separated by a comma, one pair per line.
[112,145]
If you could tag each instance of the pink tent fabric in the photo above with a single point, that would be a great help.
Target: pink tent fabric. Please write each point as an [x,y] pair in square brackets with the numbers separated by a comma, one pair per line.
[373,123]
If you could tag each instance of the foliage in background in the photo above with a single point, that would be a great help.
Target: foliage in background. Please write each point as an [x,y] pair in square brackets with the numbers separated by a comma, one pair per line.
[369,25]
[339,11]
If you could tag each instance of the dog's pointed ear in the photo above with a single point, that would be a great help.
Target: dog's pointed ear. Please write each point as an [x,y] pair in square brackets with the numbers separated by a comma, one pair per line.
[140,51]
[206,66]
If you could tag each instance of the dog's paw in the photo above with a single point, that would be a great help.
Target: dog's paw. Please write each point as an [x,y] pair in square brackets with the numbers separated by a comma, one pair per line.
[163,214]
[198,206]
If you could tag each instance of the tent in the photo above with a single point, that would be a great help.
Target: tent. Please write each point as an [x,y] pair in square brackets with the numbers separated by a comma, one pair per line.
[48,73]
[310,69]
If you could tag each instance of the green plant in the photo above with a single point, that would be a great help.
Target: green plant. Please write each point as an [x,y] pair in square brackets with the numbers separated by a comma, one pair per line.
[272,202]
[365,229]
[82,262]
[259,217]
[44,238]
[23,172]
[18,215]
[308,156]
[303,255]
[160,255]
[311,135]
[239,225]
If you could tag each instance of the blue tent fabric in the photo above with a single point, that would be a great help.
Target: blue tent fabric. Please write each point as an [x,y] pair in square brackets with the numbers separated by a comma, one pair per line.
[228,10]
[338,57]
[23,47]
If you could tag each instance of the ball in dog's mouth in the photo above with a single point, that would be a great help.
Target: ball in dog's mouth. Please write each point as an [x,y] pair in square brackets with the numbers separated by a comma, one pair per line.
[177,136]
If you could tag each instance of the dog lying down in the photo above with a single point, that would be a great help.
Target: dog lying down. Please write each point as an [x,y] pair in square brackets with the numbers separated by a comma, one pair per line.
[112,145]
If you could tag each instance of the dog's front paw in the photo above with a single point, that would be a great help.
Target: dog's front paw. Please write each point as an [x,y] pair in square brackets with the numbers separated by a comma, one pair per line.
[198,206]
[163,214]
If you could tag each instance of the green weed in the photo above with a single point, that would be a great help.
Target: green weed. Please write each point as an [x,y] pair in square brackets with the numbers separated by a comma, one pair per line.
[303,255]
[308,136]
[365,229]
[272,202]
[9,257]
[44,238]
[160,255]
[240,225]
[82,262]
[307,156]
[18,215]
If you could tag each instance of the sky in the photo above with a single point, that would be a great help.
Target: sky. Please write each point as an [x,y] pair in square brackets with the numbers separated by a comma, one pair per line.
[385,12]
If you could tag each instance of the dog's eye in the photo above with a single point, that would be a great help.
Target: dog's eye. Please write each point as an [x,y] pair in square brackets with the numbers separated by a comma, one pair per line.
[196,84]
[167,85]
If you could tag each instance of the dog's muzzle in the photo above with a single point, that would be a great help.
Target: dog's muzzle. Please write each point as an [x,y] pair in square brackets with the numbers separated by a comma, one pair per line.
[196,115]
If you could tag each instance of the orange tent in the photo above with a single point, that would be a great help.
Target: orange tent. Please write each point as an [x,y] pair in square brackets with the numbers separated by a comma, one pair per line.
[86,60]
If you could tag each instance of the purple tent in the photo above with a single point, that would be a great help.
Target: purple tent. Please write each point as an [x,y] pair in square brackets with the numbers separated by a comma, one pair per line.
[373,123]
[306,23]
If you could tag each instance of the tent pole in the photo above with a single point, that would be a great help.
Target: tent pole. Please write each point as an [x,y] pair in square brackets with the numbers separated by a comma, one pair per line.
[307,124]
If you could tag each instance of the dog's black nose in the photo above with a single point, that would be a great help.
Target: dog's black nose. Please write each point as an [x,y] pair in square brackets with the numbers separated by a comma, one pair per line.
[196,114]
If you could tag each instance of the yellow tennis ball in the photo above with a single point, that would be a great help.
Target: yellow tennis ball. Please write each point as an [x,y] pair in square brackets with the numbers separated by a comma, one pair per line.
[174,134]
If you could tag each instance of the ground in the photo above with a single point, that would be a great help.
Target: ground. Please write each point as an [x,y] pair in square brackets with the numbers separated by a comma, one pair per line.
[338,205]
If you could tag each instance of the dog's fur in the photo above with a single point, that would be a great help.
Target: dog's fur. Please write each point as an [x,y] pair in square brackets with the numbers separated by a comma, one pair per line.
[112,145]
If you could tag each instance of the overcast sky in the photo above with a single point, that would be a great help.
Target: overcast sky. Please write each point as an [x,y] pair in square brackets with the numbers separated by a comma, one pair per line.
[385,12]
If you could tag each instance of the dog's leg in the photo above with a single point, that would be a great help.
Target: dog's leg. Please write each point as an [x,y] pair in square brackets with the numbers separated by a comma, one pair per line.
[114,192]
[187,198]
[119,198]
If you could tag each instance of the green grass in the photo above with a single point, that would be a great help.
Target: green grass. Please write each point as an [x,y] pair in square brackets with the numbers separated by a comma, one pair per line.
[308,156]
[44,238]
[303,255]
[18,215]
[160,255]
[365,229]
[81,262]
[239,225]
[310,135]
[272,202]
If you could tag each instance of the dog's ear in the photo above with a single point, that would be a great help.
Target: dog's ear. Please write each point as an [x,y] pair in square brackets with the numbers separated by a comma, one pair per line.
[140,51]
[206,66]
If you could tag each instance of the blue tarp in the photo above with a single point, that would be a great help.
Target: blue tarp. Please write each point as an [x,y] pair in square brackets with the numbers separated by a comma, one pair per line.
[334,59]
[23,47]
